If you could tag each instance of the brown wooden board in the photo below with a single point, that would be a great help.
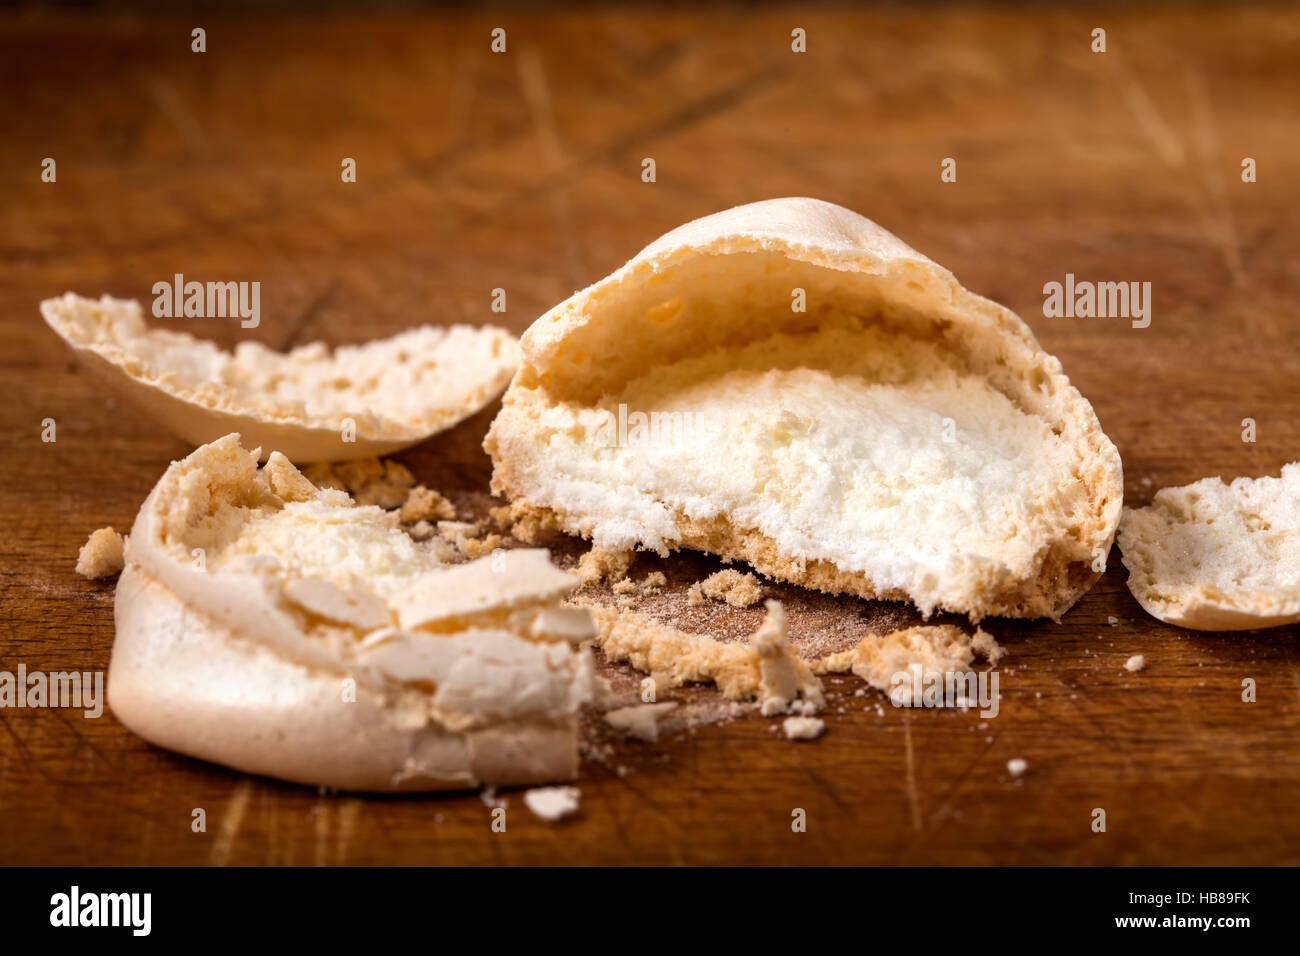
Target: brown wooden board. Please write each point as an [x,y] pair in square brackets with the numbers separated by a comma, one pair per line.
[522,171]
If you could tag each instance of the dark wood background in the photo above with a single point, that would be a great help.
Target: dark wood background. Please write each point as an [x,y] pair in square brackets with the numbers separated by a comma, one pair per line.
[522,171]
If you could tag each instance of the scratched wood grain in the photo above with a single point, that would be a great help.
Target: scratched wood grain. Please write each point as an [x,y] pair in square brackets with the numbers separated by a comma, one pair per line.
[521,171]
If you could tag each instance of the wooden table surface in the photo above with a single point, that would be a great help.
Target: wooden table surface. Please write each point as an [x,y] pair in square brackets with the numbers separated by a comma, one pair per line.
[522,171]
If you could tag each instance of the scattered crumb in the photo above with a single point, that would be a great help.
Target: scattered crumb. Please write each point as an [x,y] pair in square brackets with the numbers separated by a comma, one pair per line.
[767,668]
[368,480]
[598,566]
[803,728]
[675,657]
[938,648]
[463,535]
[387,489]
[983,643]
[735,587]
[1016,766]
[523,523]
[452,530]
[1135,663]
[640,720]
[425,504]
[552,803]
[102,554]
[783,679]
[1112,620]
[603,698]
[479,547]
[652,582]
